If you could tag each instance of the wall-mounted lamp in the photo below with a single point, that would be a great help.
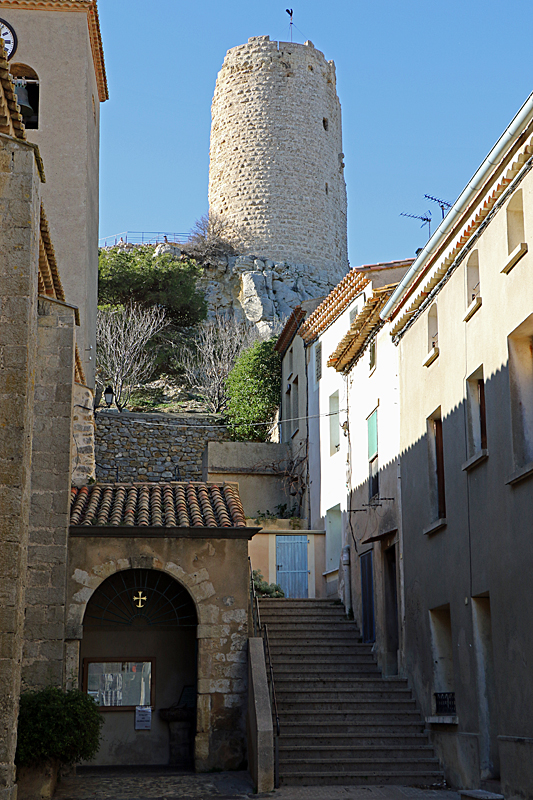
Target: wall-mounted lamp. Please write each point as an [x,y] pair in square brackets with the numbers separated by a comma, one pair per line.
[108,396]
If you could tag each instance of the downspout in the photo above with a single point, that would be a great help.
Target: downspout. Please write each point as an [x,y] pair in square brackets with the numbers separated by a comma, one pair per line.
[504,143]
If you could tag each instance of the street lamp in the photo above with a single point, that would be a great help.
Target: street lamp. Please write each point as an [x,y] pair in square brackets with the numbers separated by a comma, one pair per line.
[108,396]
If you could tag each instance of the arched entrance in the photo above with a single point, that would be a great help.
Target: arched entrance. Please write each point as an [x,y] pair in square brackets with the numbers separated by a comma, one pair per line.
[139,650]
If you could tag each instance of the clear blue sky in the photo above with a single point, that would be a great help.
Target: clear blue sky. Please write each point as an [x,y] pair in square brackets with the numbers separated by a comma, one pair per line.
[426,89]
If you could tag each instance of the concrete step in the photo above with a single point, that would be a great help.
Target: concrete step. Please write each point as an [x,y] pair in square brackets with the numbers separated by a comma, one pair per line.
[319,632]
[287,693]
[326,664]
[399,777]
[384,765]
[308,648]
[352,727]
[333,703]
[345,752]
[286,679]
[353,741]
[327,716]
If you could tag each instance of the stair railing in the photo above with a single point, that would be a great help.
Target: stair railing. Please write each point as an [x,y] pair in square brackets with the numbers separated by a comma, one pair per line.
[262,631]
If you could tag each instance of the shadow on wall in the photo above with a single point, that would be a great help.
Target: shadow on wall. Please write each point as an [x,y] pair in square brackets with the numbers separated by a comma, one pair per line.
[467,558]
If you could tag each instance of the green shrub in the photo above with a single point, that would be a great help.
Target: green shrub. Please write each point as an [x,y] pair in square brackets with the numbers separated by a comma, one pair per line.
[57,725]
[264,589]
[253,387]
[135,276]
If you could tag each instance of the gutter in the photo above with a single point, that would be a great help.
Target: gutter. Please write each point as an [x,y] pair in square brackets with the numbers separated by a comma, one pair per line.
[502,146]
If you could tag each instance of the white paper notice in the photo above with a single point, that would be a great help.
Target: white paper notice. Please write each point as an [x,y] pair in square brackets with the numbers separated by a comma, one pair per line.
[143,718]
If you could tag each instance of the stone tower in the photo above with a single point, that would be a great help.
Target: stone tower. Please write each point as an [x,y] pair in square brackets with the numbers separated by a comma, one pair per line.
[276,161]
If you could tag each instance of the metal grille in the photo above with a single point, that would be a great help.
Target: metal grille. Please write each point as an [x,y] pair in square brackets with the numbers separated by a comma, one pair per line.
[445,702]
[136,597]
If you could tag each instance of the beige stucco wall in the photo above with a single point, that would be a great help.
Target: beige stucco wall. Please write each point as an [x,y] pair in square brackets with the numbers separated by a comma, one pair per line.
[56,45]
[484,548]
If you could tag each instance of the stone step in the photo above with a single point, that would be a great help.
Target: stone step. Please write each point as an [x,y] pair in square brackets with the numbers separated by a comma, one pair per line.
[433,778]
[345,752]
[311,681]
[285,693]
[326,663]
[352,727]
[327,703]
[307,648]
[317,631]
[367,715]
[353,741]
[383,765]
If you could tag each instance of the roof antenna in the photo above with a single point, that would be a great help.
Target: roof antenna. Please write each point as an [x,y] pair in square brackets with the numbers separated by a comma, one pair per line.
[444,205]
[289,12]
[425,220]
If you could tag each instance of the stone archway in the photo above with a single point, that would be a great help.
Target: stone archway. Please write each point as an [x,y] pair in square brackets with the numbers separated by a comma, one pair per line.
[139,649]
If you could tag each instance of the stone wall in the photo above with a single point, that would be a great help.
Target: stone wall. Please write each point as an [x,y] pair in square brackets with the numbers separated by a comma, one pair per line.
[153,447]
[276,162]
[83,433]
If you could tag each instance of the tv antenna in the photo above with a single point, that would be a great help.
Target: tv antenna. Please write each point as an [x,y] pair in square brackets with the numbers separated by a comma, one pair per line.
[426,220]
[444,205]
[290,12]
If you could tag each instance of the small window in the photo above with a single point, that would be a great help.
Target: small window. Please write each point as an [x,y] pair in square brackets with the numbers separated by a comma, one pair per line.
[295,412]
[287,411]
[373,462]
[327,189]
[318,361]
[442,647]
[472,278]
[325,123]
[515,221]
[27,90]
[373,353]
[436,466]
[433,328]
[520,344]
[120,685]
[290,362]
[353,314]
[477,421]
[334,424]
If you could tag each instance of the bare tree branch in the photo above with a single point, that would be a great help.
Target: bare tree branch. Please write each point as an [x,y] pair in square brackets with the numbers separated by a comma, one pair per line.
[122,357]
[211,356]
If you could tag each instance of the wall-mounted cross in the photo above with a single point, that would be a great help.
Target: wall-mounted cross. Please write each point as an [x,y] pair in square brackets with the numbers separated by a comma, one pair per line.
[141,598]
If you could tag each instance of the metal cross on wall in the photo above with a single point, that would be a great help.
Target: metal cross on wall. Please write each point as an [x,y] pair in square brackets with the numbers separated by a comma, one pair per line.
[141,598]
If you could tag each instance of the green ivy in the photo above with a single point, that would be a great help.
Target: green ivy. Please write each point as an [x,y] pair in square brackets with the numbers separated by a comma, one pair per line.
[253,388]
[57,725]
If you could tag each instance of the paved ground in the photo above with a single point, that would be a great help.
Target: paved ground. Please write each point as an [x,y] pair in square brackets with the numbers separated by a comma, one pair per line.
[155,784]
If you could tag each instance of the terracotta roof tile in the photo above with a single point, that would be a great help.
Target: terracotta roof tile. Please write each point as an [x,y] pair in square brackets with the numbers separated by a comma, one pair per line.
[364,326]
[167,505]
[335,303]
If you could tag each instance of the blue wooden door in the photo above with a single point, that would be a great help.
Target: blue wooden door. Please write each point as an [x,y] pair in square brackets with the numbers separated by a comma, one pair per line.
[291,564]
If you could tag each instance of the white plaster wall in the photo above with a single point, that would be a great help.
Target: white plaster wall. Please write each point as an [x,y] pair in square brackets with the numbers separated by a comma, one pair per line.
[271,158]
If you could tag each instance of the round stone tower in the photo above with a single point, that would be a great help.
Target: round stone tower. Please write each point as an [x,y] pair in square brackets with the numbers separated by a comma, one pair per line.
[276,161]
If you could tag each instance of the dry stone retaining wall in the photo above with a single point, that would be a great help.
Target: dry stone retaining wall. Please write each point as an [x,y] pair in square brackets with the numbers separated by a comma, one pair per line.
[153,447]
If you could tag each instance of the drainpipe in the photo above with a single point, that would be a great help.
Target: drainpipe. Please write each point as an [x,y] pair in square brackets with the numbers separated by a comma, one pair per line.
[502,146]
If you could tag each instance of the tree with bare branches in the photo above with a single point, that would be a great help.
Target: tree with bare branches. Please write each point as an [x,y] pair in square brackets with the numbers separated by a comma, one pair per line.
[211,355]
[123,358]
[212,236]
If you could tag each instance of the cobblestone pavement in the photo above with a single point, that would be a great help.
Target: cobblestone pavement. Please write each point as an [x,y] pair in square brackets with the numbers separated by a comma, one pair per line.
[167,785]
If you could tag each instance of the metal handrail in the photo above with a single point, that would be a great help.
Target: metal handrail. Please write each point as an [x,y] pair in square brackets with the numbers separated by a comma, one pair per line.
[262,631]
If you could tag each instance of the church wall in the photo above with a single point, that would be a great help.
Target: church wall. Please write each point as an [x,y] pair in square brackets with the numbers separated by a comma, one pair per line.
[56,45]
[50,485]
[20,208]
[215,571]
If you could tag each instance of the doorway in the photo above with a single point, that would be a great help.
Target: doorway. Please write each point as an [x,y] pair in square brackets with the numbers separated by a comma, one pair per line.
[291,564]
[367,598]
[138,659]
[392,637]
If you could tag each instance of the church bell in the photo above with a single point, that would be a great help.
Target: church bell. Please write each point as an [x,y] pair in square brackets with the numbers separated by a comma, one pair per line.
[22,99]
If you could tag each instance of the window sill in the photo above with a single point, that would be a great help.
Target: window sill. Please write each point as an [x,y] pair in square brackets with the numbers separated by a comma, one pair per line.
[435,526]
[520,474]
[432,355]
[514,257]
[443,720]
[476,459]
[472,308]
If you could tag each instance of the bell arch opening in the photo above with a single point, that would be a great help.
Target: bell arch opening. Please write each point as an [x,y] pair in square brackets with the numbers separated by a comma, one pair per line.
[27,91]
[139,662]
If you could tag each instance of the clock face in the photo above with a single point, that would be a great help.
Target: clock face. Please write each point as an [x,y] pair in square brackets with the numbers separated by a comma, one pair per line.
[9,36]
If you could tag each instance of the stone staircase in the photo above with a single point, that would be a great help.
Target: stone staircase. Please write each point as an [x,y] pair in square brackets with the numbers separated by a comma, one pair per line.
[341,721]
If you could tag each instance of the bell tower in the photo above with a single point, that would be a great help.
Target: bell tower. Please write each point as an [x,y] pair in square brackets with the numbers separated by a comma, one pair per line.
[58,62]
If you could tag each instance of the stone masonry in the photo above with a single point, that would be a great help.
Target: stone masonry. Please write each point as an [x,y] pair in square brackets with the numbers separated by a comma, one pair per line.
[153,447]
[19,245]
[276,161]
